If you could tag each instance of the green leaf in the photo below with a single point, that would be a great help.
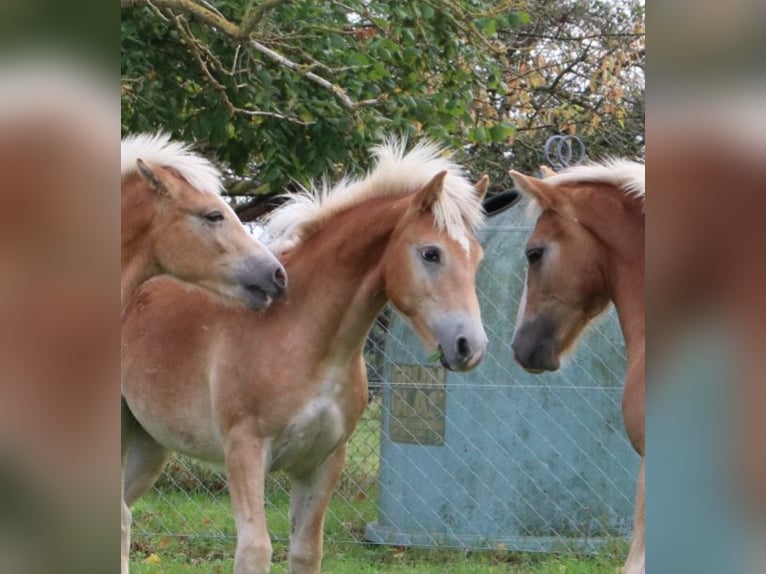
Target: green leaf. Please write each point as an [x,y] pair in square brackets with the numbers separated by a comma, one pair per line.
[402,12]
[478,135]
[489,27]
[519,18]
[501,132]
[435,356]
[377,72]
[359,59]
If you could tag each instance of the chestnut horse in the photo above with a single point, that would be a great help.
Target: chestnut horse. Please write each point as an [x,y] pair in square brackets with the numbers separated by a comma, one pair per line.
[587,249]
[285,388]
[174,221]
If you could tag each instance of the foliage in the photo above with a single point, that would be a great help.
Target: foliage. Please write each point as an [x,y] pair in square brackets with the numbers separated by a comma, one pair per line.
[285,91]
[576,68]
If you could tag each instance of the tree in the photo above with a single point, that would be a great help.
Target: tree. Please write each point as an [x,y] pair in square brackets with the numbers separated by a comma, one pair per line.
[288,91]
[575,68]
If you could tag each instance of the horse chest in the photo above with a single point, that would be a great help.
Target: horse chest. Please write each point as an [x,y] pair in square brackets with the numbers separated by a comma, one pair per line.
[317,428]
[310,436]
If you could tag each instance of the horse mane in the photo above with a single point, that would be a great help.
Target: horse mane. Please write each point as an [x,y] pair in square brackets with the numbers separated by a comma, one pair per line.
[157,149]
[395,172]
[624,174]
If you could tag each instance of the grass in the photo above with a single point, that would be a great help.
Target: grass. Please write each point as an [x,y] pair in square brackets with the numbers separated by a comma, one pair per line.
[208,545]
[185,526]
[387,561]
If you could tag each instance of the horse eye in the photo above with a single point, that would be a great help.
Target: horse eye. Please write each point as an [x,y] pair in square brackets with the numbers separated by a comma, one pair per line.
[213,216]
[431,255]
[534,254]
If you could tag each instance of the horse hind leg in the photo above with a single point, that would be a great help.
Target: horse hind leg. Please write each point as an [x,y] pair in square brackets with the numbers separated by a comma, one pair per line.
[142,459]
[146,459]
[636,562]
[125,523]
[126,418]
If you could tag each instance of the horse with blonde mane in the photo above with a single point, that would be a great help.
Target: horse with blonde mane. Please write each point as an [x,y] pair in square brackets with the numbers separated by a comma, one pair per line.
[587,250]
[285,388]
[175,222]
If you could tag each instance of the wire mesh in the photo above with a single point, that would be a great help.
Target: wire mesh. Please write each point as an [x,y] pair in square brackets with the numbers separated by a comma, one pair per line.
[543,466]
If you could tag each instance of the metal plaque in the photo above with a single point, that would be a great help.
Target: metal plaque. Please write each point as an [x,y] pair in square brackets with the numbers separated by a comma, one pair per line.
[417,404]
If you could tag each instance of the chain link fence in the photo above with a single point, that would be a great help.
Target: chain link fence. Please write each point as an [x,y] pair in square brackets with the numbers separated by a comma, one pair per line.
[491,458]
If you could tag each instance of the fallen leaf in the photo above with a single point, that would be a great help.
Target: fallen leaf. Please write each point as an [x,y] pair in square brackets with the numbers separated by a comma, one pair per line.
[152,559]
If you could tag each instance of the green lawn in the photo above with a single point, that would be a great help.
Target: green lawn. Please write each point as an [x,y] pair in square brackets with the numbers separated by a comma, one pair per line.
[186,527]
[208,545]
[386,561]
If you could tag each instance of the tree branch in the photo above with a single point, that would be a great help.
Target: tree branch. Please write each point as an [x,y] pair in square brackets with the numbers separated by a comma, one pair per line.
[197,48]
[259,206]
[202,13]
[583,56]
[253,17]
[276,115]
[242,31]
[191,41]
[335,89]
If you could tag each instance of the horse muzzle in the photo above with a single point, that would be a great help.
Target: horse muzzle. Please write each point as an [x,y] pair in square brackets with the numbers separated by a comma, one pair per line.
[263,280]
[462,343]
[535,346]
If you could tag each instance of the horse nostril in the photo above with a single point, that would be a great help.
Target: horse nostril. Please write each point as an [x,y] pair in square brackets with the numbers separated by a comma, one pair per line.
[463,348]
[280,278]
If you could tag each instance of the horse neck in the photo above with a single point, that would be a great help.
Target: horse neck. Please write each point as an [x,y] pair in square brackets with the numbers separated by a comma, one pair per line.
[337,275]
[622,234]
[136,259]
[627,294]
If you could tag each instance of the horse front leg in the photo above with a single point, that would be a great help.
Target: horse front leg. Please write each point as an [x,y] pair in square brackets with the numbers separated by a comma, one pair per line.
[636,562]
[309,497]
[246,472]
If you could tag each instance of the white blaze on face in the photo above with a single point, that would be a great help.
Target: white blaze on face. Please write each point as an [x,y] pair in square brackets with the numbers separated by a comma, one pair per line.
[522,307]
[464,243]
[462,239]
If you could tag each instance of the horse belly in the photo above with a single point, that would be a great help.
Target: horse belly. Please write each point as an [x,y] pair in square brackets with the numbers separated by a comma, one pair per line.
[186,426]
[315,432]
[195,441]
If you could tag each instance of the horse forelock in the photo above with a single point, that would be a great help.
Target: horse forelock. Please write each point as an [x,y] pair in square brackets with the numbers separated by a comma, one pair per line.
[396,172]
[159,150]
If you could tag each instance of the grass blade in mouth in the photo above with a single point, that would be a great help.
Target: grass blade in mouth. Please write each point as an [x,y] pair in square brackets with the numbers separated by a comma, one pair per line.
[436,356]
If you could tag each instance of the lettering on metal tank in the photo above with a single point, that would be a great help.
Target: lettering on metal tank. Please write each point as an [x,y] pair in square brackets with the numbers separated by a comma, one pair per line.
[417,404]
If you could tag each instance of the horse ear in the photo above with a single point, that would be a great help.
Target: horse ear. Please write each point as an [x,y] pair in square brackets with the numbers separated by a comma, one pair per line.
[150,178]
[546,171]
[426,197]
[535,188]
[482,186]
